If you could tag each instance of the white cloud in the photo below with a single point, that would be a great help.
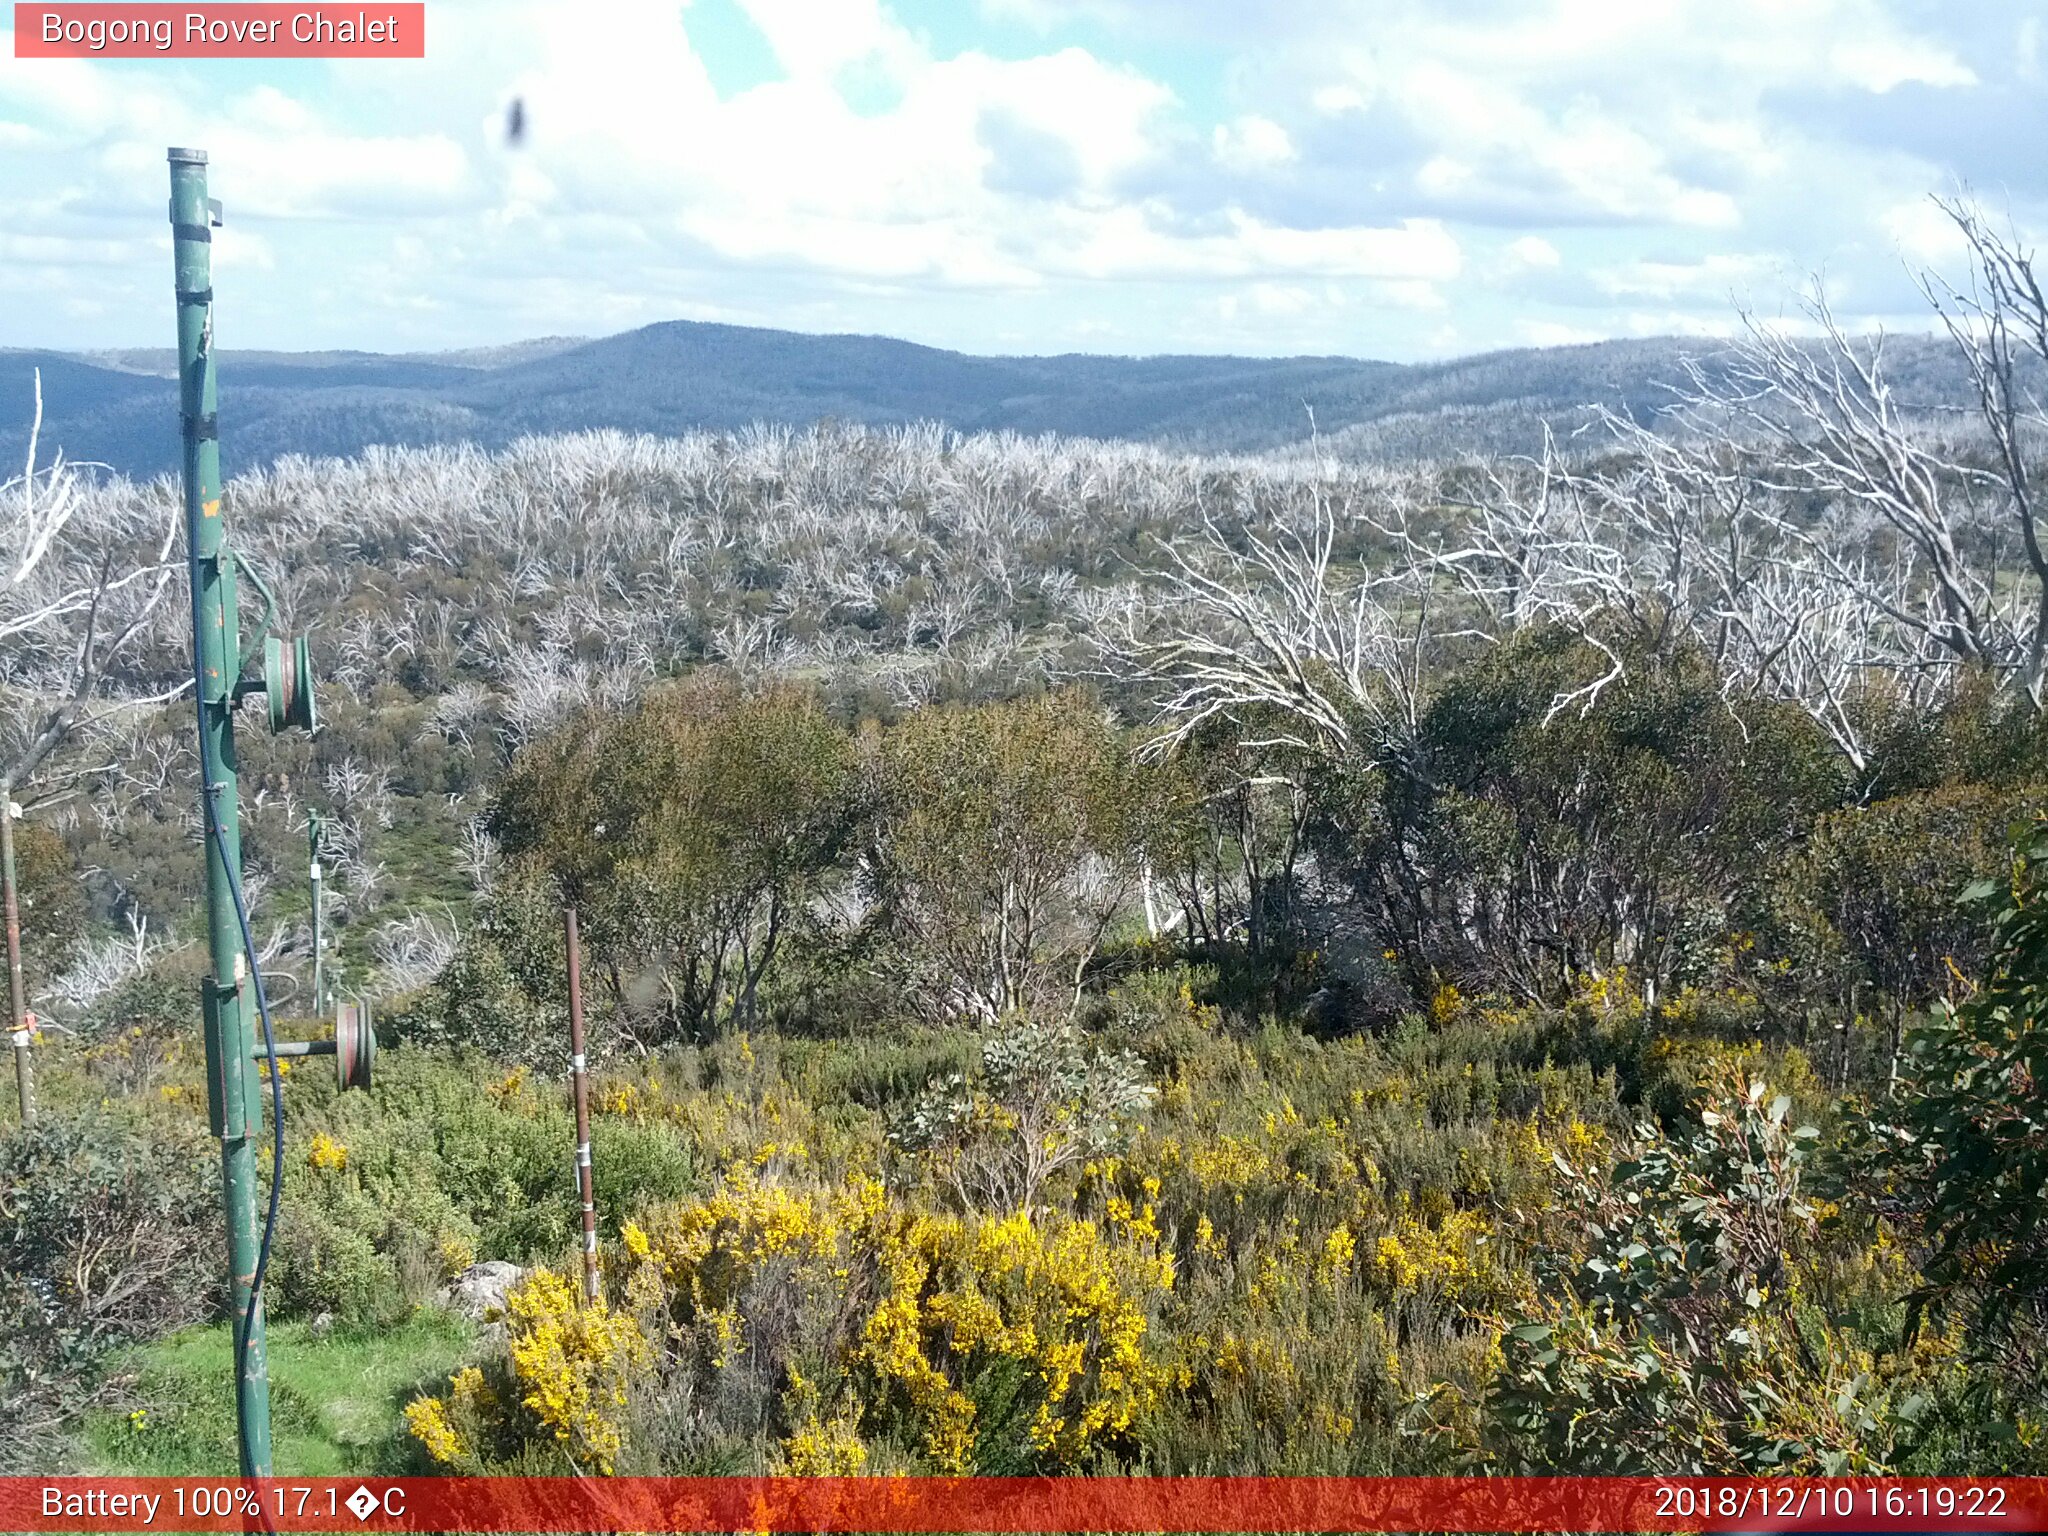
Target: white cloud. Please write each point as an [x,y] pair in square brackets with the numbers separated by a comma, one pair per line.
[815,38]
[1252,144]
[273,154]
[1124,242]
[1680,322]
[790,174]
[1281,299]
[1318,161]
[1885,63]
[59,250]
[237,249]
[1925,235]
[1578,158]
[1415,249]
[319,172]
[1713,277]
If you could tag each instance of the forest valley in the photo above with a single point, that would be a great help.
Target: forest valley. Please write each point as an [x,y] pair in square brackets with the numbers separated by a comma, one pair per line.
[1098,959]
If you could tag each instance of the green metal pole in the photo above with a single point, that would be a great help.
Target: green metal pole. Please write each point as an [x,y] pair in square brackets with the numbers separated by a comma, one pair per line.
[319,892]
[233,1095]
[17,1001]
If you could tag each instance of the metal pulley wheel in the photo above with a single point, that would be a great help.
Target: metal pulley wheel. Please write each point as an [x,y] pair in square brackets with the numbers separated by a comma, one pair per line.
[355,1045]
[288,684]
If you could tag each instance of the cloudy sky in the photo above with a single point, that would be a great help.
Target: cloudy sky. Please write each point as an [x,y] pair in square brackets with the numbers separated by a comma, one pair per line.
[1385,178]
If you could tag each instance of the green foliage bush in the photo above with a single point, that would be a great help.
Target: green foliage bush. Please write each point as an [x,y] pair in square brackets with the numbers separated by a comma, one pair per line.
[1965,1141]
[1002,843]
[50,899]
[390,1192]
[1871,895]
[480,1003]
[1527,845]
[693,836]
[109,1235]
[1672,1340]
[1975,736]
[1040,1102]
[1386,1076]
[159,1000]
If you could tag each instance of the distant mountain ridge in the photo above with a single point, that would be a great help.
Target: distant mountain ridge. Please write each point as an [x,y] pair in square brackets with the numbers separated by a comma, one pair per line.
[119,407]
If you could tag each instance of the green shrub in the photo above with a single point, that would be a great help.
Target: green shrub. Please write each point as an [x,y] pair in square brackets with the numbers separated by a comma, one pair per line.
[1529,847]
[1672,1340]
[693,835]
[50,899]
[109,1235]
[1963,1138]
[477,1003]
[322,1264]
[1872,895]
[1041,1101]
[448,1159]
[1003,843]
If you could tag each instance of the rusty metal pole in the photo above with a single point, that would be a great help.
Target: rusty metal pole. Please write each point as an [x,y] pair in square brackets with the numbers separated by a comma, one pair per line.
[579,1078]
[17,1001]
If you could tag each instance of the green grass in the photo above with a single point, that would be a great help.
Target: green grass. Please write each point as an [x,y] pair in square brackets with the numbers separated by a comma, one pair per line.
[335,1400]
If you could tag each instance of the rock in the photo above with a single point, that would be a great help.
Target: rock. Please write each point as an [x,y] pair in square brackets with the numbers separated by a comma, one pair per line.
[321,1326]
[478,1293]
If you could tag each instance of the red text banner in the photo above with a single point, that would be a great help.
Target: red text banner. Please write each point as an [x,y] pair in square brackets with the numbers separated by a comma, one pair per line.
[1192,1504]
[221,31]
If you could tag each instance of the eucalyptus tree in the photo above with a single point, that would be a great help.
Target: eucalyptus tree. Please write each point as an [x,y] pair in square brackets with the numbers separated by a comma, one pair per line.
[1003,841]
[694,834]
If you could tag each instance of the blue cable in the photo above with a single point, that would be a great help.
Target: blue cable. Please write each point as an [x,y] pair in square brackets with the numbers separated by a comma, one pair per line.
[210,787]
[276,1095]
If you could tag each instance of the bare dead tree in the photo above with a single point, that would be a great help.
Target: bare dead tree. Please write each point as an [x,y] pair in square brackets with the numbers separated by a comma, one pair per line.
[1999,322]
[1908,528]
[1795,517]
[77,596]
[1275,637]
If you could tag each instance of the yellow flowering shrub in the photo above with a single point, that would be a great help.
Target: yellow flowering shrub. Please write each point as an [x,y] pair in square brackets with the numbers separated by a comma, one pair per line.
[831,1449]
[1609,993]
[622,1099]
[942,1299]
[426,1419]
[1446,1005]
[1301,1262]
[930,1310]
[456,1251]
[453,1430]
[326,1153]
[573,1365]
[1451,1258]
[1068,1300]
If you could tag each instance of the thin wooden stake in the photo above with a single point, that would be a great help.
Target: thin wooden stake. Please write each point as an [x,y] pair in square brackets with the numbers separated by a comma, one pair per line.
[579,1077]
[17,1005]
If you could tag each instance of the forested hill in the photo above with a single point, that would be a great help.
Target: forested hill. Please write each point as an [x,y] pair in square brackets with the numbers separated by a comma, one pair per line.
[118,408]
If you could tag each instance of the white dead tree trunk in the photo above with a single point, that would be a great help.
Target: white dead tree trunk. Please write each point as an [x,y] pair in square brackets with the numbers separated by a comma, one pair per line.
[1275,637]
[1912,528]
[1810,529]
[76,594]
[2000,325]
